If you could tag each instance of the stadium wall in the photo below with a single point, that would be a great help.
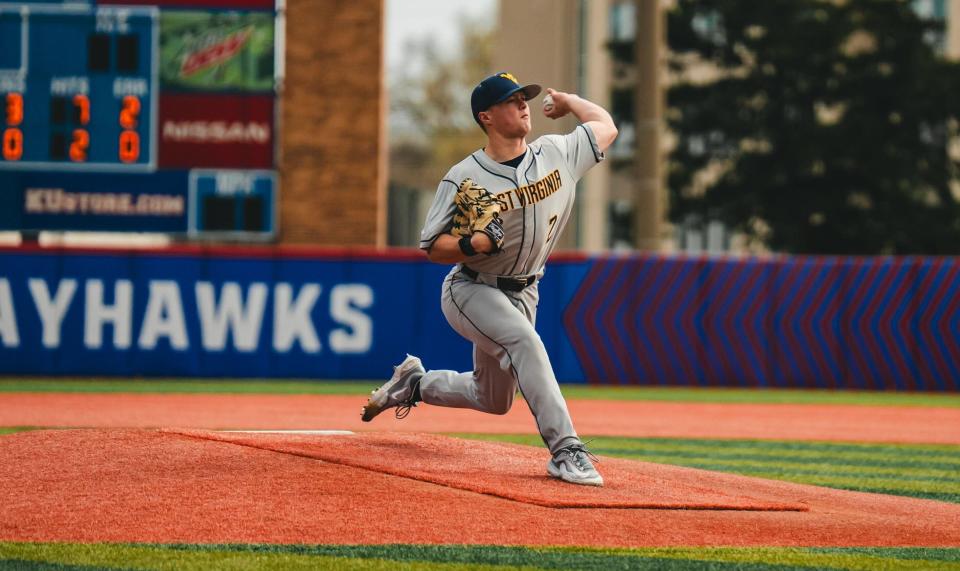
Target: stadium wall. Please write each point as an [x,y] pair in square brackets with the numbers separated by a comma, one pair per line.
[817,322]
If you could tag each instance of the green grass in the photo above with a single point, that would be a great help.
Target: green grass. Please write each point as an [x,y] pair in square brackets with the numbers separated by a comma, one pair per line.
[762,396]
[362,387]
[929,471]
[457,557]
[12,429]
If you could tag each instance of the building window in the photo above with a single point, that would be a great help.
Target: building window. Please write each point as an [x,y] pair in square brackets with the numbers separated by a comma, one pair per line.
[933,11]
[623,22]
[620,217]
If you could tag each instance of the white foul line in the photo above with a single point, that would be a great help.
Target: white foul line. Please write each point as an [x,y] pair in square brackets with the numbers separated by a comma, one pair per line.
[312,432]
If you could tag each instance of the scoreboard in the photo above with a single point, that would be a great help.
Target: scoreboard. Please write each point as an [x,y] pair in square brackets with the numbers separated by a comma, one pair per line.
[156,117]
[78,87]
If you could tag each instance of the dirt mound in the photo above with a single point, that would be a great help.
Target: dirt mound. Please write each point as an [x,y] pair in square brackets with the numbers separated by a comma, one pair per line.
[518,472]
[154,486]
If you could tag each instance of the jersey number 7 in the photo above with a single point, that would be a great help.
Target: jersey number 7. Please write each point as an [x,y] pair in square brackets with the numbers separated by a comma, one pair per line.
[553,224]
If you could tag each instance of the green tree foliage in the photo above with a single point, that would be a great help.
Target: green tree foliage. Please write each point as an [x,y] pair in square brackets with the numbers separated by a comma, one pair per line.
[815,126]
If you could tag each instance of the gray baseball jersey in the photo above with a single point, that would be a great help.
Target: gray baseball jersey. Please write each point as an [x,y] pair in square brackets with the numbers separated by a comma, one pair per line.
[538,195]
[493,301]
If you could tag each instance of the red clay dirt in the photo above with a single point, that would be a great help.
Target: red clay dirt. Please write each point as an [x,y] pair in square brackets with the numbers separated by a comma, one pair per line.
[903,424]
[518,472]
[153,486]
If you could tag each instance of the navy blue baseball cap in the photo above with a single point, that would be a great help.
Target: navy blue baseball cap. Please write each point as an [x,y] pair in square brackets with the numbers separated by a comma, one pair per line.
[496,89]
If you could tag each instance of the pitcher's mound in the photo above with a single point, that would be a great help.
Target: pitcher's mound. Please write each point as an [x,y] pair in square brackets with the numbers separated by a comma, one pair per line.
[205,487]
[518,473]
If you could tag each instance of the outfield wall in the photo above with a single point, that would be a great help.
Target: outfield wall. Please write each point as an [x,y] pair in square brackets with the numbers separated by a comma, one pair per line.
[862,323]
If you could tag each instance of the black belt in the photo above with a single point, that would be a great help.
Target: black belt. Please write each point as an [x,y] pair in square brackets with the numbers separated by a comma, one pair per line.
[506,283]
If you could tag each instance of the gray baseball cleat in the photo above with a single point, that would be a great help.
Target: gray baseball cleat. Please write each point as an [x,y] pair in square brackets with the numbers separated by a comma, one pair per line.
[397,392]
[573,464]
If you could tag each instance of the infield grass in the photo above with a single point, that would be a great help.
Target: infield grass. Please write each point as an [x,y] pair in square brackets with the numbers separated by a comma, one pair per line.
[457,557]
[12,429]
[362,387]
[929,471]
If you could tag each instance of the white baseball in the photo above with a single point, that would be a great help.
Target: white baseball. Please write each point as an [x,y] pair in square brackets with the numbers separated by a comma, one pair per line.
[548,103]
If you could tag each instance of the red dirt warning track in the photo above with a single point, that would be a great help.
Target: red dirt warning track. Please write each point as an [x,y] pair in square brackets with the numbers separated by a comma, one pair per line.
[155,486]
[934,425]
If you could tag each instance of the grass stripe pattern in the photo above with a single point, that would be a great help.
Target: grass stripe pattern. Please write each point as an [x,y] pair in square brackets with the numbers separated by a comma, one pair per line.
[457,557]
[924,471]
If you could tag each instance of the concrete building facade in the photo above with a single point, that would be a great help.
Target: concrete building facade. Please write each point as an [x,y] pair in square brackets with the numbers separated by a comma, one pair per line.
[620,203]
[566,51]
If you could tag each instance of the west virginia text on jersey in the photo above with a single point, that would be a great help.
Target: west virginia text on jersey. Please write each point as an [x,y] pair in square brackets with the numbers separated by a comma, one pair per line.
[531,193]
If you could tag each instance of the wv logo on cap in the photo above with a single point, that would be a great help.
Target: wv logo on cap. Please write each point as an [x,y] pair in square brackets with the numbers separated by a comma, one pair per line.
[510,77]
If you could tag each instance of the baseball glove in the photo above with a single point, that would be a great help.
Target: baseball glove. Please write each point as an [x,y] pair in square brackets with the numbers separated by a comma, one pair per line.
[478,211]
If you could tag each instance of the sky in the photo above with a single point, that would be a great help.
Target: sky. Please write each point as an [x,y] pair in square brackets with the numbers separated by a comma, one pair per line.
[415,19]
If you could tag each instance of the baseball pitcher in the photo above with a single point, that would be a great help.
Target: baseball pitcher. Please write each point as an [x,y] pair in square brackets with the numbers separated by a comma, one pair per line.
[497,215]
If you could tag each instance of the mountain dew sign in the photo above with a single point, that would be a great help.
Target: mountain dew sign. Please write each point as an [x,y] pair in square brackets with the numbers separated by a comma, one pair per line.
[211,51]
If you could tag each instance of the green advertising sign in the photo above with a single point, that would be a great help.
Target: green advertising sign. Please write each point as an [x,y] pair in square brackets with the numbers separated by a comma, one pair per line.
[213,51]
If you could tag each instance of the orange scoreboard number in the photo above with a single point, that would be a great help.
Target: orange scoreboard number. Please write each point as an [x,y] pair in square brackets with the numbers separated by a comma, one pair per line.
[79,145]
[12,135]
[81,137]
[12,144]
[82,105]
[129,112]
[129,138]
[14,109]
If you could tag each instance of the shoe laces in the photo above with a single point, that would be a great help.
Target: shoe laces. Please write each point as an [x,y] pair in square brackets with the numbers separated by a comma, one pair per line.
[578,452]
[405,406]
[403,409]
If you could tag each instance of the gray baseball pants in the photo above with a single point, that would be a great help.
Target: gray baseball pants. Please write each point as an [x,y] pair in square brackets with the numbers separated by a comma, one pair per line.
[507,353]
